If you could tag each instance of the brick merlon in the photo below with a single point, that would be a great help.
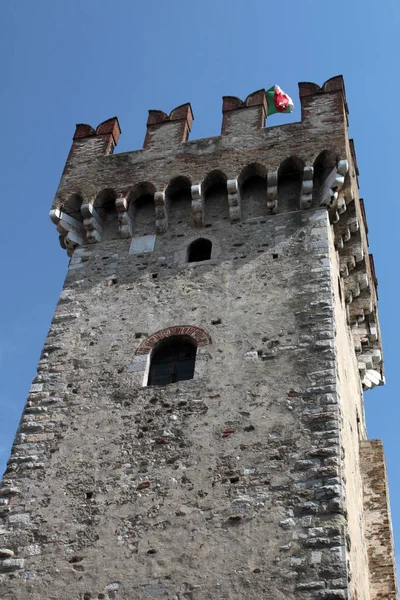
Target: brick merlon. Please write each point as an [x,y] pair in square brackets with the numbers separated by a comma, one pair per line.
[108,127]
[334,84]
[182,112]
[257,98]
[83,130]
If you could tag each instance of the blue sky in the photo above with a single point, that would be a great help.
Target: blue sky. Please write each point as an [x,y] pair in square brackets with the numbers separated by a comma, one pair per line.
[87,60]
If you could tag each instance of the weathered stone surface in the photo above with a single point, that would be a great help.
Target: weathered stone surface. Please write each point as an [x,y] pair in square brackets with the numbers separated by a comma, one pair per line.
[377,521]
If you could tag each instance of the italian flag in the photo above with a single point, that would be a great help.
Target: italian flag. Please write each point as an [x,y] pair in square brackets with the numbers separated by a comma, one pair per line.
[278,101]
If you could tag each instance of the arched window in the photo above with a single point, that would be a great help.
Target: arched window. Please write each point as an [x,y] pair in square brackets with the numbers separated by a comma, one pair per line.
[199,250]
[142,209]
[105,206]
[172,360]
[215,197]
[323,166]
[179,203]
[290,175]
[253,191]
[73,207]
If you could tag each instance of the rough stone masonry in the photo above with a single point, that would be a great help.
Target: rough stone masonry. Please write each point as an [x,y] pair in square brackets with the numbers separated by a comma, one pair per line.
[253,479]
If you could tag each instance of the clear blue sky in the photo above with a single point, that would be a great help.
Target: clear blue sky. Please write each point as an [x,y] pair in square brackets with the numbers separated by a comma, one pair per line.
[67,62]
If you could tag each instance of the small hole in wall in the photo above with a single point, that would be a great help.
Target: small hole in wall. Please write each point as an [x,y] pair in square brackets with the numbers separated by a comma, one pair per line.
[274,256]
[78,567]
[249,428]
[138,336]
[152,551]
[89,495]
[154,275]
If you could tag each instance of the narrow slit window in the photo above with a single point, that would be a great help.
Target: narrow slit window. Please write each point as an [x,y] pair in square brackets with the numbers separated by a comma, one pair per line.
[172,361]
[199,250]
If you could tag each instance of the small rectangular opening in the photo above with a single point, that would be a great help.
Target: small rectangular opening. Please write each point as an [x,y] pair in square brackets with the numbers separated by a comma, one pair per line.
[154,275]
[274,256]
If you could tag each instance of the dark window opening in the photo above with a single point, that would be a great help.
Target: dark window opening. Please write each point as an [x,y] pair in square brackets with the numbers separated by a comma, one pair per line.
[199,250]
[172,361]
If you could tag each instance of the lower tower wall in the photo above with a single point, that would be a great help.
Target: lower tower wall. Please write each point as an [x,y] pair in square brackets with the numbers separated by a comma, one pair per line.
[229,485]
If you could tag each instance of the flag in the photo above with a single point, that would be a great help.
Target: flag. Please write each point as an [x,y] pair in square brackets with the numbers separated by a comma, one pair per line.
[278,101]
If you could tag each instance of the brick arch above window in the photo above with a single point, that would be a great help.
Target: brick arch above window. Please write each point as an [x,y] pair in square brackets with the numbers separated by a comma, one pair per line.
[199,336]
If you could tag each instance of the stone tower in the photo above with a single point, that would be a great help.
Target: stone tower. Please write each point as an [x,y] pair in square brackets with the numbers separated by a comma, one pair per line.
[196,428]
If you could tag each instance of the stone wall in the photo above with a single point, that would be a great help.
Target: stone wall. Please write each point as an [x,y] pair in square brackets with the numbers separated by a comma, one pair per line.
[149,487]
[377,522]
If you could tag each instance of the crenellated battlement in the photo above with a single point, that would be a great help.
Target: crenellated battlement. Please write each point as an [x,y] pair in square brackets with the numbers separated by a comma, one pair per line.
[168,129]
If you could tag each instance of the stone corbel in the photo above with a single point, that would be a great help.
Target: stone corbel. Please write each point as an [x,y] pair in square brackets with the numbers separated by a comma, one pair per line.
[371,379]
[72,232]
[352,288]
[344,229]
[65,222]
[125,222]
[234,200]
[371,358]
[272,192]
[330,188]
[307,187]
[359,307]
[341,205]
[72,241]
[347,264]
[197,205]
[372,331]
[353,224]
[161,213]
[342,236]
[369,367]
[354,248]
[92,223]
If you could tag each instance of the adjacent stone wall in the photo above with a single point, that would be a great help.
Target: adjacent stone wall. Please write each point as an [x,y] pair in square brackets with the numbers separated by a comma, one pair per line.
[377,522]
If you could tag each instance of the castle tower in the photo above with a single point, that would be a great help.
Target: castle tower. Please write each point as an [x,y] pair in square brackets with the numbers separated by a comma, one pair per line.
[196,428]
